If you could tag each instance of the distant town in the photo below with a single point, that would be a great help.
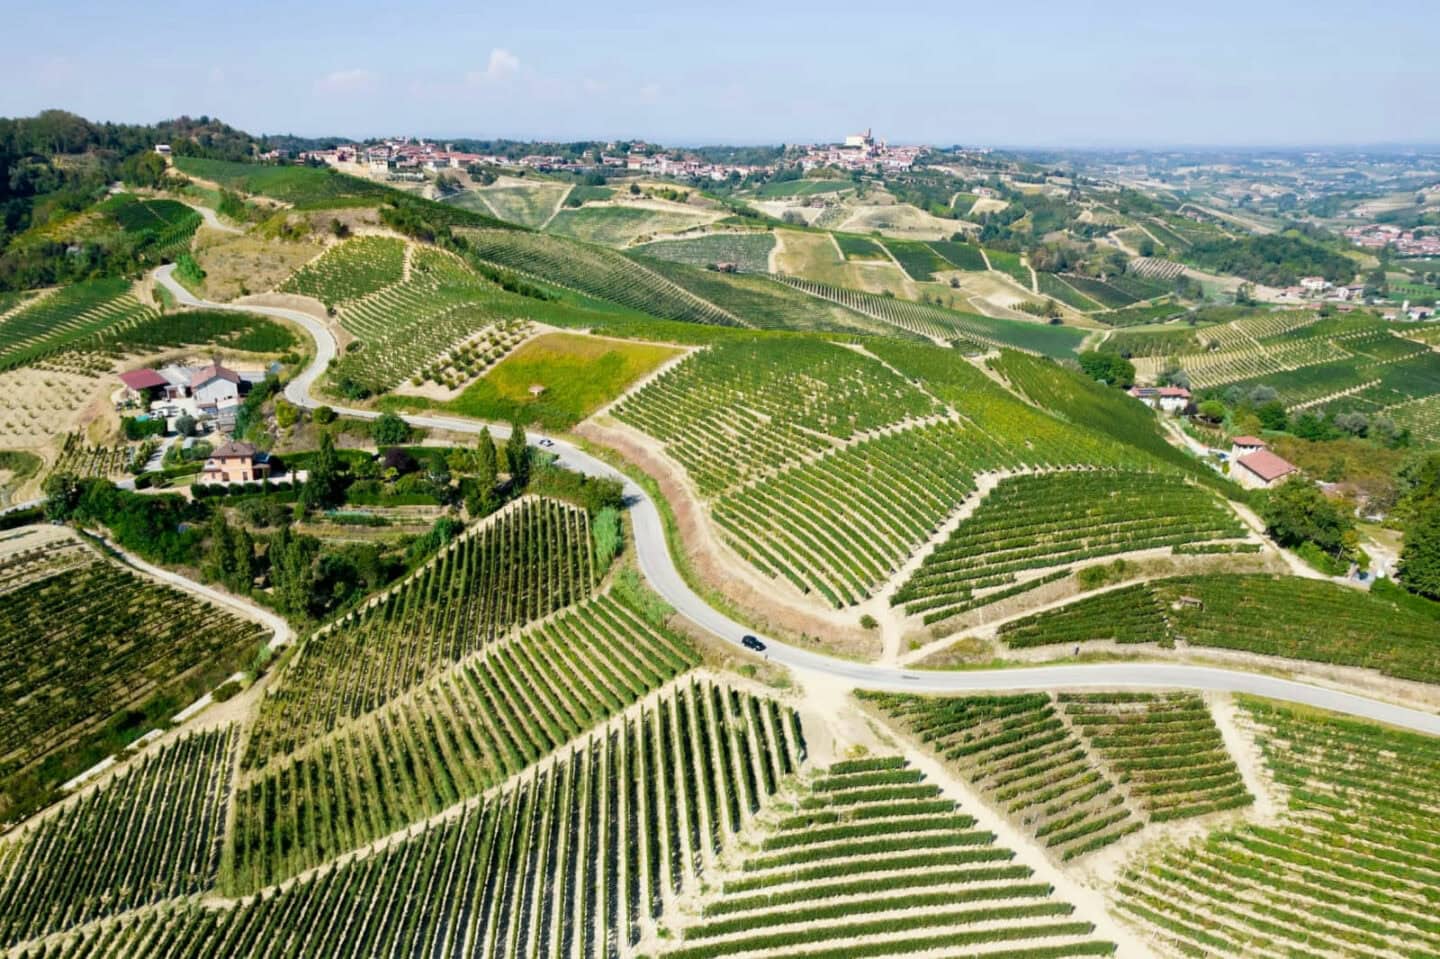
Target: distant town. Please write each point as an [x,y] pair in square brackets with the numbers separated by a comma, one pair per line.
[405,156]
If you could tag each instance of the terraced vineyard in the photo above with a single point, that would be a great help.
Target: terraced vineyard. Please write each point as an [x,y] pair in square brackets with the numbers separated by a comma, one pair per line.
[82,638]
[476,725]
[69,318]
[151,833]
[350,270]
[939,324]
[732,419]
[442,324]
[742,408]
[1421,417]
[1020,752]
[519,565]
[1032,523]
[1165,752]
[749,252]
[874,861]
[1350,869]
[622,225]
[595,271]
[1271,615]
[585,857]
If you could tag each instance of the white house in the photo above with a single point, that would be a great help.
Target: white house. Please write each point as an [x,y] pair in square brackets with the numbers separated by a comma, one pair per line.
[1171,399]
[214,385]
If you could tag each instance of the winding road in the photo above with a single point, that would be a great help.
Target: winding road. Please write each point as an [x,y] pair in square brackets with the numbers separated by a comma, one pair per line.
[659,569]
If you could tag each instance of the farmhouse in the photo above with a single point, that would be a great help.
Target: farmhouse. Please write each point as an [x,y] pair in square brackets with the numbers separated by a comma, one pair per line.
[235,462]
[214,385]
[137,382]
[1171,399]
[1262,469]
[1245,445]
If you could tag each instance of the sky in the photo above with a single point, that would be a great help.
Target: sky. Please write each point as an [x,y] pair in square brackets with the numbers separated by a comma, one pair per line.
[1036,73]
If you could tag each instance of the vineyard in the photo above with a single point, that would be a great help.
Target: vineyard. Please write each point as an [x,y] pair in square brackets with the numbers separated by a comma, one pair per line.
[1165,752]
[1011,265]
[151,833]
[1053,286]
[1274,616]
[1350,869]
[82,638]
[740,409]
[1421,417]
[777,505]
[1031,523]
[919,260]
[874,861]
[473,727]
[519,565]
[749,252]
[162,227]
[962,256]
[585,857]
[853,247]
[1032,765]
[80,458]
[443,323]
[765,303]
[940,324]
[1152,268]
[69,318]
[1086,404]
[619,226]
[350,270]
[595,271]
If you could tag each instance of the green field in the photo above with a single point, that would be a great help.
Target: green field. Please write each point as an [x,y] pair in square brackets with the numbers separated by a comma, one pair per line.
[749,252]
[1010,265]
[622,225]
[305,187]
[579,374]
[786,188]
[919,260]
[529,204]
[963,256]
[854,247]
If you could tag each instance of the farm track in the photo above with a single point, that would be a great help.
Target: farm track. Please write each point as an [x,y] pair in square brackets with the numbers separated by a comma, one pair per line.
[658,567]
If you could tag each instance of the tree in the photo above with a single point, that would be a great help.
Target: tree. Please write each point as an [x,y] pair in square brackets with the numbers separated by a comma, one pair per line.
[185,424]
[292,571]
[286,414]
[324,415]
[389,430]
[1420,555]
[322,484]
[1108,368]
[62,495]
[1297,513]
[517,457]
[1272,415]
[1212,411]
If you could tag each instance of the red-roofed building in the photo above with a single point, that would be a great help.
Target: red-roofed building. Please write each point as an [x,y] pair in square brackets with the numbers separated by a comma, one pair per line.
[1245,445]
[236,462]
[1262,469]
[1171,399]
[138,381]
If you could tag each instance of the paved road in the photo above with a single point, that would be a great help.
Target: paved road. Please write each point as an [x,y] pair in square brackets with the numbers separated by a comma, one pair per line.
[659,569]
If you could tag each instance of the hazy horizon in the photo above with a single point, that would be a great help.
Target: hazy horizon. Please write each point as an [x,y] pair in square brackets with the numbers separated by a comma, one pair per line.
[1231,76]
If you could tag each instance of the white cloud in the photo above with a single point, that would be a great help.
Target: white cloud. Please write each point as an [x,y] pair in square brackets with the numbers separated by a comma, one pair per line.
[357,80]
[502,66]
[649,93]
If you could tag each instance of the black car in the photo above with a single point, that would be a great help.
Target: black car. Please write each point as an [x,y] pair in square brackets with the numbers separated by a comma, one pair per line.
[752,642]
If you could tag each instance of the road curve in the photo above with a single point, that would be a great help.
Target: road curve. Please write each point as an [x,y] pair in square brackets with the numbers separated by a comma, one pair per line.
[658,568]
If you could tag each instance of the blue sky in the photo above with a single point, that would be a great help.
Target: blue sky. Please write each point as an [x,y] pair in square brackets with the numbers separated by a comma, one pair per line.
[1080,73]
